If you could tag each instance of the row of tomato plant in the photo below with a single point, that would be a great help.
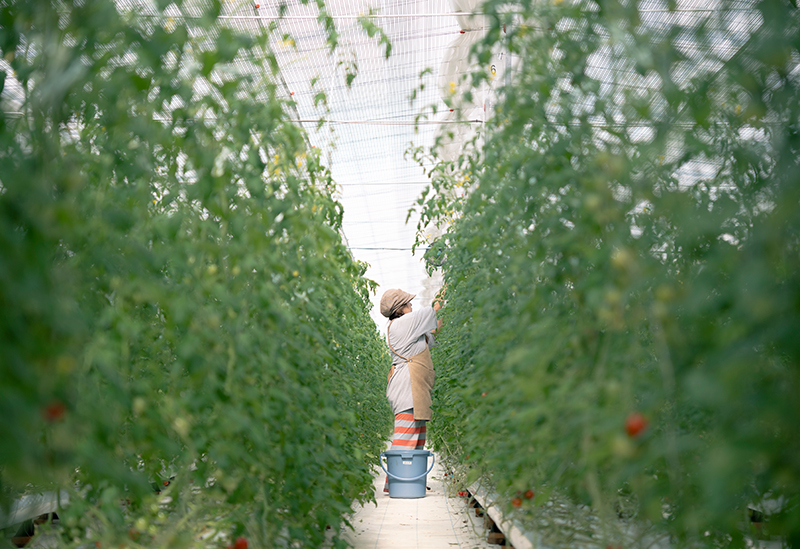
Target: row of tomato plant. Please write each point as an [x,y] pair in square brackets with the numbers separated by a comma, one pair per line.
[620,353]
[177,309]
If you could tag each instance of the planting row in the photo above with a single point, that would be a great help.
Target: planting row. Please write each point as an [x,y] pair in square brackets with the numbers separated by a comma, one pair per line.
[623,275]
[176,306]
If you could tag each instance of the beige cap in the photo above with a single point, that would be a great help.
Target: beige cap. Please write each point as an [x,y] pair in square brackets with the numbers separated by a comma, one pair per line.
[394,299]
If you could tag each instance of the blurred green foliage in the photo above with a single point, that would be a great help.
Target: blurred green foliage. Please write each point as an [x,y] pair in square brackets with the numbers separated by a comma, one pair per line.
[175,297]
[630,244]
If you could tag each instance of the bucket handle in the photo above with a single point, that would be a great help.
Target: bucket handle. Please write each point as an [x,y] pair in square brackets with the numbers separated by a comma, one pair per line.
[433,457]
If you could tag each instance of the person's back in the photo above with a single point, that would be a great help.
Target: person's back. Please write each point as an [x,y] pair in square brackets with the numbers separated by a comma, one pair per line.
[409,334]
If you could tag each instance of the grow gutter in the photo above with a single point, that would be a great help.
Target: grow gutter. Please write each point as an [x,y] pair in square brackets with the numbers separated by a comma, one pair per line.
[518,538]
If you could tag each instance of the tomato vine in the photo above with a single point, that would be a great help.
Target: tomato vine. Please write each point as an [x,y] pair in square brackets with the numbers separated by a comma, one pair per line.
[622,276]
[177,308]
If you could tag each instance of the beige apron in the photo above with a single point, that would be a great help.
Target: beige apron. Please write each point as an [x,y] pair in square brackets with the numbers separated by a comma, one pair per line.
[420,369]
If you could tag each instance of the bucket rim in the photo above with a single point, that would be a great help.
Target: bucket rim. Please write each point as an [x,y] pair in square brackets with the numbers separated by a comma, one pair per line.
[406,452]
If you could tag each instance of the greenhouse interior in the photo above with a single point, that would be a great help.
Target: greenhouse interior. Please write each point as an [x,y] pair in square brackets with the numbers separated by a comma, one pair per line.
[400,273]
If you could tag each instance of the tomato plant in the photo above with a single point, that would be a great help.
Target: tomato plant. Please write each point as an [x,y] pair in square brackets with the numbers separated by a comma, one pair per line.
[186,341]
[629,241]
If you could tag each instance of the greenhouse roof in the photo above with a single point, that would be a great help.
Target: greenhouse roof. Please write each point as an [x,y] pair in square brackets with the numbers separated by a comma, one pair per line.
[371,123]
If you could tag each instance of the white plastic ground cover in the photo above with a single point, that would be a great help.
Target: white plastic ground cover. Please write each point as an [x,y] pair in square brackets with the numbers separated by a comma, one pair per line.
[32,506]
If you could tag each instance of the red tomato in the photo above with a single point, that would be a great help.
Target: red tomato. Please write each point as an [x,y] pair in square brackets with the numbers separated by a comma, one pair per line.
[54,411]
[529,494]
[516,502]
[635,424]
[241,543]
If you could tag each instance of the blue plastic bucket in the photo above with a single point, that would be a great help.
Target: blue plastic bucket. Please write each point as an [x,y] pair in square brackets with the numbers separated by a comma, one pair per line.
[408,472]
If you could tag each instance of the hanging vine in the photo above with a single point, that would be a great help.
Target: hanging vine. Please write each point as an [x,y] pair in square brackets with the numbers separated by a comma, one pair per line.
[177,309]
[623,274]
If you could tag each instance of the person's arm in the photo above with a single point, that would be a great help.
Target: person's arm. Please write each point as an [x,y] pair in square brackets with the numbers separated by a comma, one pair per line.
[421,321]
[430,339]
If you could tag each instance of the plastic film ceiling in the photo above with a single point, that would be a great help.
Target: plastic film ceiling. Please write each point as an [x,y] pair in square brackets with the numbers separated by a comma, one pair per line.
[371,124]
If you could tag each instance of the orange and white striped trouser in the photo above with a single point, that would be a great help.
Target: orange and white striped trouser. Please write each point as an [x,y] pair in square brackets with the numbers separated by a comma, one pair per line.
[408,434]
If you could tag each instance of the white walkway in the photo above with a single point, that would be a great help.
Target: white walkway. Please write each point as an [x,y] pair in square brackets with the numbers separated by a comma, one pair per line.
[433,522]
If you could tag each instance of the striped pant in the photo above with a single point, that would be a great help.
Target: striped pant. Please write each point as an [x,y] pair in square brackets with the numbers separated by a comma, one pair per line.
[408,435]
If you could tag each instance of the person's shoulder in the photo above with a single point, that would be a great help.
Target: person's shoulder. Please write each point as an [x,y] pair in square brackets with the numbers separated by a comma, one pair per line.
[405,321]
[410,318]
[421,312]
